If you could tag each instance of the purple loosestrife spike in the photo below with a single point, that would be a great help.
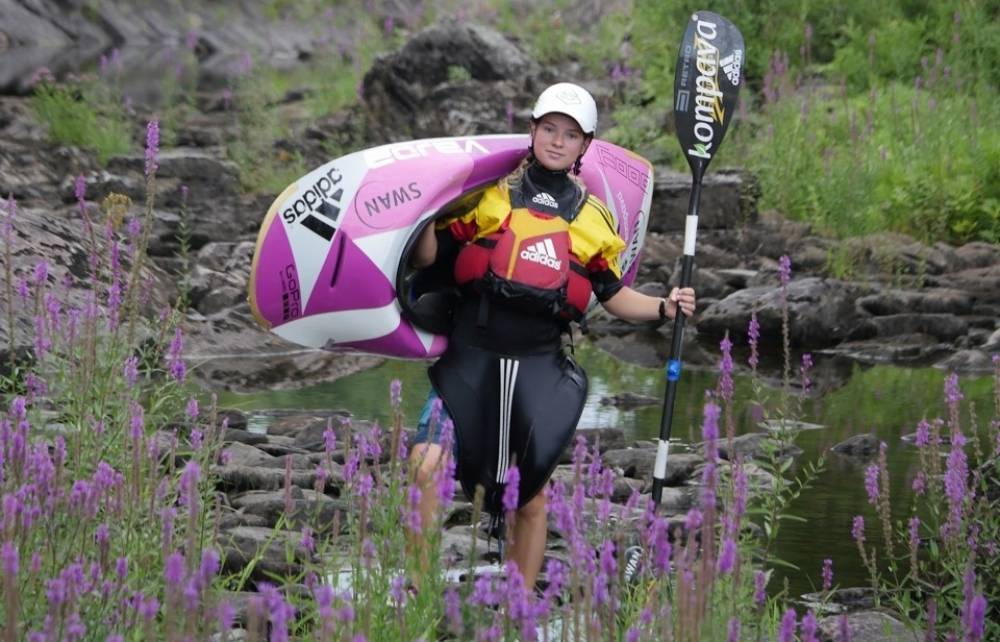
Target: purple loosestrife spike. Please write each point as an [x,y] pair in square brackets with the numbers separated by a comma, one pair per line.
[453,610]
[41,273]
[130,372]
[632,635]
[396,393]
[121,568]
[173,570]
[511,491]
[733,630]
[827,574]
[9,560]
[976,625]
[788,625]
[753,335]
[759,582]
[952,393]
[858,529]
[152,146]
[398,592]
[809,627]
[923,433]
[871,484]
[726,369]
[785,270]
[177,367]
[807,364]
[727,558]
[412,516]
[920,483]
[192,409]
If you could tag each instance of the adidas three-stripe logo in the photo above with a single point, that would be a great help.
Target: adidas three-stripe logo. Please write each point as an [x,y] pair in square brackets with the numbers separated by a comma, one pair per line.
[543,253]
[544,198]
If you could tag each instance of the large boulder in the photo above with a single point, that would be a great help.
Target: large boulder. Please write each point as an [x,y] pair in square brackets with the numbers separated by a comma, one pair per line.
[821,313]
[450,79]
[728,200]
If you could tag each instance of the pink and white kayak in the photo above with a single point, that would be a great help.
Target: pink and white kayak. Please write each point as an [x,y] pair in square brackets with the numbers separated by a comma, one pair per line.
[330,267]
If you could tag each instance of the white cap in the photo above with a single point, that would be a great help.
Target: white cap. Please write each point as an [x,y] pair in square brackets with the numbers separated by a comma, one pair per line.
[572,100]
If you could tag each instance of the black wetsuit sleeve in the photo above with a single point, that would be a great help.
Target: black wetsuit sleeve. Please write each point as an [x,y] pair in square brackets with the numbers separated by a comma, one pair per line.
[605,284]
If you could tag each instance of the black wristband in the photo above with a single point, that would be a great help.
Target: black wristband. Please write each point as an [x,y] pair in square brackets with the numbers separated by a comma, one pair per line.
[663,310]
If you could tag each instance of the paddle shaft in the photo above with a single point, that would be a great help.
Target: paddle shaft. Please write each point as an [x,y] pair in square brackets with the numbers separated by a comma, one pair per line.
[674,364]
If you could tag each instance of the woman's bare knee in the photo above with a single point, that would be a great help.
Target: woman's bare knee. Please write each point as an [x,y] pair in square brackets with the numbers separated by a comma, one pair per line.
[425,460]
[534,509]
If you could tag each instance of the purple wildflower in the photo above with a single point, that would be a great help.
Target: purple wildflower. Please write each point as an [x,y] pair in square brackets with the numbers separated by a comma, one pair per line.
[727,558]
[726,369]
[41,272]
[453,610]
[178,369]
[923,433]
[753,336]
[308,542]
[759,582]
[412,518]
[511,490]
[788,626]
[733,629]
[827,574]
[173,570]
[952,393]
[329,440]
[858,529]
[396,393]
[785,270]
[397,591]
[809,627]
[807,364]
[871,484]
[976,624]
[192,409]
[9,560]
[152,146]
[920,483]
[130,372]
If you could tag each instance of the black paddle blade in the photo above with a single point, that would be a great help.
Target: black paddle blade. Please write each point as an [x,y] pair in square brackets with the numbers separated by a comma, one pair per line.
[706,86]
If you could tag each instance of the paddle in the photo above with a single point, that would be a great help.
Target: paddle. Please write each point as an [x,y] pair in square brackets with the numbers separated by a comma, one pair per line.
[706,85]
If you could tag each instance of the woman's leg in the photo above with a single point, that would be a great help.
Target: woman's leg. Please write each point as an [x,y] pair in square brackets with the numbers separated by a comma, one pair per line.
[531,525]
[426,459]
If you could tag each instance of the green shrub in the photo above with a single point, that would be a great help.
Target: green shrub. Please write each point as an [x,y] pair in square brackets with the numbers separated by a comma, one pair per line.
[73,116]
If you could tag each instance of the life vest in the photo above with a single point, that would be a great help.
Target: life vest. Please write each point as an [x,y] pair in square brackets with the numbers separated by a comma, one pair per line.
[529,264]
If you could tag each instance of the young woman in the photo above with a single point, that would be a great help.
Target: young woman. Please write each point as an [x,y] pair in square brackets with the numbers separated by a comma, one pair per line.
[527,257]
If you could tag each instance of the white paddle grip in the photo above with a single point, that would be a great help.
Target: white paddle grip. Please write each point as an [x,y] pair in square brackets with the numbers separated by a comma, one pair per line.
[660,468]
[690,232]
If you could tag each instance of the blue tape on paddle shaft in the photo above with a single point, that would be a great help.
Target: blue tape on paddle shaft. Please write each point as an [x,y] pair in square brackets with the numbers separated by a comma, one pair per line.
[673,370]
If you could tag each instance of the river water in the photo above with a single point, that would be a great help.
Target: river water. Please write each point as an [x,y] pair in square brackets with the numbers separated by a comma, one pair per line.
[847,399]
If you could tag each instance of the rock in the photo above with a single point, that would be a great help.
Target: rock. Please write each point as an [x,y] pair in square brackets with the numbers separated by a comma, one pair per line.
[242,478]
[867,626]
[911,349]
[241,454]
[275,552]
[755,445]
[629,400]
[728,200]
[308,508]
[944,327]
[821,313]
[623,488]
[861,447]
[233,419]
[637,463]
[933,300]
[233,435]
[981,282]
[967,362]
[414,93]
[977,254]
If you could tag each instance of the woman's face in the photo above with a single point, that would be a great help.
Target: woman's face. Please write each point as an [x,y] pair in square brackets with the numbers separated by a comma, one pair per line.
[557,141]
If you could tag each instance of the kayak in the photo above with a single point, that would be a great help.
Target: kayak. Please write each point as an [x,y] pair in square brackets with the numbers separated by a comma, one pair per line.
[331,264]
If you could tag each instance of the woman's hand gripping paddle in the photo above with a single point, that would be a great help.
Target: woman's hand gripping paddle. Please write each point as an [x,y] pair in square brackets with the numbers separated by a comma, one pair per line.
[706,86]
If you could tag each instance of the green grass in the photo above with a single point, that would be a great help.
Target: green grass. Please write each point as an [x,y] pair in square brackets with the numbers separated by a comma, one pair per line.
[73,117]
